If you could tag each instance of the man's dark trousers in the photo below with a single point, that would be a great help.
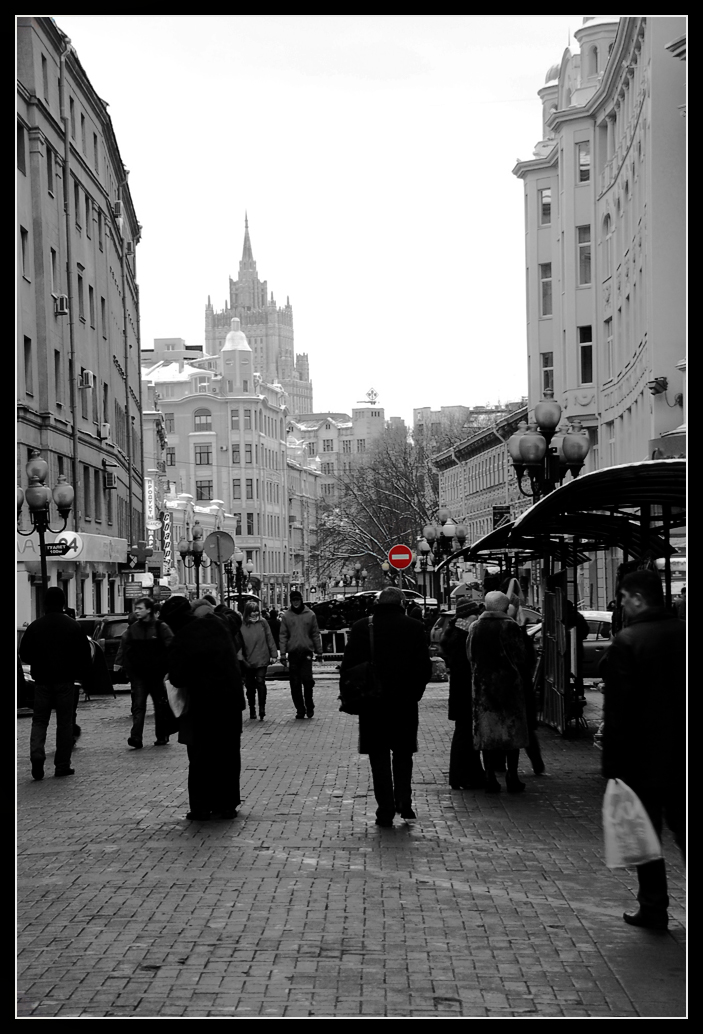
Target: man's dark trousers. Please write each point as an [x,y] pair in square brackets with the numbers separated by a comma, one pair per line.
[141,690]
[653,896]
[391,781]
[301,682]
[60,697]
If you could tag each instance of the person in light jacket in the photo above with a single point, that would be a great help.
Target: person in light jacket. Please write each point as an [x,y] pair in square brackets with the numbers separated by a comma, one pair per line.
[259,650]
[299,639]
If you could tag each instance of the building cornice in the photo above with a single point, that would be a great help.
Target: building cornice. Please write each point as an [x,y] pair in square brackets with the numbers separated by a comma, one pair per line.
[535,164]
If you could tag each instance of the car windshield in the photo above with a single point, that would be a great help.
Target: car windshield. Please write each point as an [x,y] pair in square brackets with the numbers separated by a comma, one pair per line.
[114,629]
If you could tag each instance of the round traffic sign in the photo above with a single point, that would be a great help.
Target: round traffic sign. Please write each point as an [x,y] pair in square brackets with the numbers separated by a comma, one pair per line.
[219,546]
[400,557]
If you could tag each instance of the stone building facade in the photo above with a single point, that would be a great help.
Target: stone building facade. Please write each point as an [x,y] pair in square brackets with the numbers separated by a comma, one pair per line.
[78,385]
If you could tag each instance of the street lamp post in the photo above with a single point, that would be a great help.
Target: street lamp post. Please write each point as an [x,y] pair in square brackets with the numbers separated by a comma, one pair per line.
[545,451]
[240,578]
[193,550]
[439,541]
[360,575]
[38,497]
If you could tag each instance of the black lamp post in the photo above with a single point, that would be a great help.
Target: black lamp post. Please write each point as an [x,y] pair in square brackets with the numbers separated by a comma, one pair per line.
[360,575]
[193,550]
[240,577]
[38,497]
[546,453]
[438,541]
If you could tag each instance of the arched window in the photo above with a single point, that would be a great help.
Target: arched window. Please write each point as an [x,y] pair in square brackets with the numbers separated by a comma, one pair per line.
[593,61]
[202,420]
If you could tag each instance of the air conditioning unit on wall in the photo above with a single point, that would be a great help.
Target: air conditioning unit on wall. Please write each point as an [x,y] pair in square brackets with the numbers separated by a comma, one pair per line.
[117,209]
[61,305]
[104,430]
[110,479]
[87,379]
[129,247]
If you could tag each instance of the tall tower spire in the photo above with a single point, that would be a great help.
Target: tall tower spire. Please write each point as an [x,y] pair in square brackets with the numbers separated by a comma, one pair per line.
[247,255]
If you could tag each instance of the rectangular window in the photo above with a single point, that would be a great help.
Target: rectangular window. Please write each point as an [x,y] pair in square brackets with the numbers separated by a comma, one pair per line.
[83,132]
[50,170]
[83,392]
[234,419]
[77,203]
[545,206]
[52,271]
[203,455]
[81,299]
[170,457]
[328,468]
[247,454]
[21,150]
[96,159]
[361,445]
[58,378]
[346,445]
[237,488]
[88,216]
[547,371]
[103,317]
[72,111]
[203,491]
[24,244]
[28,368]
[45,77]
[250,524]
[327,489]
[247,420]
[237,523]
[583,162]
[98,494]
[250,488]
[245,387]
[545,282]
[100,230]
[91,305]
[327,444]
[608,337]
[311,448]
[236,455]
[87,508]
[584,256]
[585,336]
[169,422]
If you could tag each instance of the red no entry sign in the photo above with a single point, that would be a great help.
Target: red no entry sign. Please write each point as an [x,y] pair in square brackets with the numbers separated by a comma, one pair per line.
[400,557]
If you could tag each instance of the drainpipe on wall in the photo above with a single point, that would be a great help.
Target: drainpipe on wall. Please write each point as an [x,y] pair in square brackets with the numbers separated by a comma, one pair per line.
[73,374]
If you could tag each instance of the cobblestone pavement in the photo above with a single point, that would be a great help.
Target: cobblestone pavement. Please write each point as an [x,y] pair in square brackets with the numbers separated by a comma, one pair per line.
[486,906]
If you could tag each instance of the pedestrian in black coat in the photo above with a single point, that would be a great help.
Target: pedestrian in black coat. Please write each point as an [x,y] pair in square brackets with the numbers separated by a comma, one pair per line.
[202,661]
[388,730]
[465,768]
[644,725]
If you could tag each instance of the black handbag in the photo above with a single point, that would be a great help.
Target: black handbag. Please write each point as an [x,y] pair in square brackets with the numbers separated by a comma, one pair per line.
[360,687]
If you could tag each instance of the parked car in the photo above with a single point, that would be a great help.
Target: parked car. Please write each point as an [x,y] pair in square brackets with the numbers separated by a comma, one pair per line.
[410,594]
[596,644]
[107,635]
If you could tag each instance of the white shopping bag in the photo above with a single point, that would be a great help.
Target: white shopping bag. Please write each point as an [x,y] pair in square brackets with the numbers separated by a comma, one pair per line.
[177,698]
[630,838]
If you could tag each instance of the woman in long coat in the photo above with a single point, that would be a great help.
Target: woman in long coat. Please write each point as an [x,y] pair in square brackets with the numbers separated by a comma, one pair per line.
[388,729]
[203,662]
[465,769]
[500,665]
[259,650]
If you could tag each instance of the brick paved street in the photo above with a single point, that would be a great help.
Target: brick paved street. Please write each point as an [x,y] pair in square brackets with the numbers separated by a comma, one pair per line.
[487,906]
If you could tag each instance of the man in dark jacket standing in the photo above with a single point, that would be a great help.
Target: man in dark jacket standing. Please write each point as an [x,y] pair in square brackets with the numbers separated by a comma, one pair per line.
[644,725]
[142,652]
[403,665]
[59,654]
[299,638]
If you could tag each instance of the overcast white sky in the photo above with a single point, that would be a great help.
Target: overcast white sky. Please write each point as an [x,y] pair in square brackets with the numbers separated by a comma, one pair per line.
[373,155]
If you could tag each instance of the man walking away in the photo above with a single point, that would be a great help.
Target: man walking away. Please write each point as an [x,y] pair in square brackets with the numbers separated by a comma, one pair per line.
[644,725]
[142,653]
[388,729]
[59,654]
[299,639]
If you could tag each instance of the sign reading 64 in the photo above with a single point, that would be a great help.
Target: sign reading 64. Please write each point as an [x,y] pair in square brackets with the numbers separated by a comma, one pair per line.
[74,543]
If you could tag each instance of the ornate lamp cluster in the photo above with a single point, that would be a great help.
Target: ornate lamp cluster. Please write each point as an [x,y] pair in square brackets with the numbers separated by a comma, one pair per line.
[438,541]
[237,569]
[546,451]
[192,549]
[39,497]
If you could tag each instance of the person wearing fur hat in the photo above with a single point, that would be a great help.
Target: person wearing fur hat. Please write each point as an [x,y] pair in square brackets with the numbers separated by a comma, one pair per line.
[388,730]
[202,661]
[465,768]
[500,667]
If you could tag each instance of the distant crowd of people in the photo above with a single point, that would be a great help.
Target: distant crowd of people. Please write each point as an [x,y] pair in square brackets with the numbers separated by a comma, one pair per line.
[214,662]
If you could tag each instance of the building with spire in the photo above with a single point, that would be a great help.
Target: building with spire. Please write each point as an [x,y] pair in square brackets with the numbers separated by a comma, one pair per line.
[269,330]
